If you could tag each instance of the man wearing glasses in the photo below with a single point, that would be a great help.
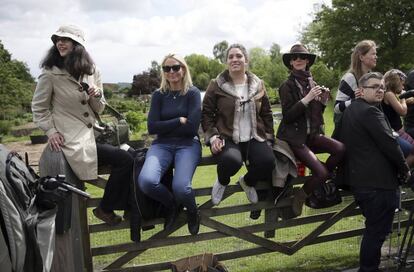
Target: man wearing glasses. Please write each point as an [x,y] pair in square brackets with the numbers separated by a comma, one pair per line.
[374,167]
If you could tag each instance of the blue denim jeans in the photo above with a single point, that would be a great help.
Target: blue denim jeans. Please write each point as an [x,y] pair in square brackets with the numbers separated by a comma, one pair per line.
[157,161]
[405,146]
[378,207]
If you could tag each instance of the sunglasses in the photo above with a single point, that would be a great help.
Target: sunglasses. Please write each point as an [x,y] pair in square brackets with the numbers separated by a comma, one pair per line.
[299,56]
[168,69]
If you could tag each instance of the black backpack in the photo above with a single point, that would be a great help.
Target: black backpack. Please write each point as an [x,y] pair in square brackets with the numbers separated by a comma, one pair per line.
[20,215]
[27,214]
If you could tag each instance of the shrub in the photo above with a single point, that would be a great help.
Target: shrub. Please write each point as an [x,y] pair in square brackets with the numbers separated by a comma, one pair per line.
[5,126]
[136,120]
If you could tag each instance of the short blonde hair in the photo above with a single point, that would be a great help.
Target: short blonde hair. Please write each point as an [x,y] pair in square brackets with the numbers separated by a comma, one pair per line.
[186,81]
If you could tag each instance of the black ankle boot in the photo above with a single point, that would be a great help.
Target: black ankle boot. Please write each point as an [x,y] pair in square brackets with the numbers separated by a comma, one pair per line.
[193,219]
[170,218]
[255,214]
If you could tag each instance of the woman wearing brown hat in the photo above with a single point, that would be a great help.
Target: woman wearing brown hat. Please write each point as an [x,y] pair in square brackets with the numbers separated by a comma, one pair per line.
[66,113]
[303,103]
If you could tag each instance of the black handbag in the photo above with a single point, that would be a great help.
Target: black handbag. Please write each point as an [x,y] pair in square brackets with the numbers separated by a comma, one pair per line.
[111,133]
[324,196]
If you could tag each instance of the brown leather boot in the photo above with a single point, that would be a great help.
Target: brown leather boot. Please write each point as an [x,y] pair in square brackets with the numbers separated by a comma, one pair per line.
[110,218]
[298,201]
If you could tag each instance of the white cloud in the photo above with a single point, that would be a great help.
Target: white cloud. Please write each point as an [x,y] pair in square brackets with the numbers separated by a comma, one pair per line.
[125,36]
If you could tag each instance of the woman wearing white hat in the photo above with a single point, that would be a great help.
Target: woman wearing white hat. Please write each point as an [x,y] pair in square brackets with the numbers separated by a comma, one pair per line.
[66,112]
[303,103]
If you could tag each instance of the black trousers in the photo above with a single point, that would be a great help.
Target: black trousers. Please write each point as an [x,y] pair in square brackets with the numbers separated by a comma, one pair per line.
[117,188]
[258,158]
[378,207]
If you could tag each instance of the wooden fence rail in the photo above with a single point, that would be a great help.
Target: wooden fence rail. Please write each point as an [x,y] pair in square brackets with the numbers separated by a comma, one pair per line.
[251,233]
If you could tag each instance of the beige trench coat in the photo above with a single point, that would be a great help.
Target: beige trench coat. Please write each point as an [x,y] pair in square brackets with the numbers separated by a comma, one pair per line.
[60,105]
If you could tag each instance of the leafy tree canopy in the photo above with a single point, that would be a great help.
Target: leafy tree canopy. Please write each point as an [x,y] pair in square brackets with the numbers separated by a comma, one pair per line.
[219,51]
[268,65]
[203,69]
[147,81]
[335,31]
[16,86]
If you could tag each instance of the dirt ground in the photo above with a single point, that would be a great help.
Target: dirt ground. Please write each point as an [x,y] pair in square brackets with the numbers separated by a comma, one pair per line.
[34,151]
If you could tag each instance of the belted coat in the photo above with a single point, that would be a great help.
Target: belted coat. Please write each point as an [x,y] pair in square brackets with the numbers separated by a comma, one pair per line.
[60,105]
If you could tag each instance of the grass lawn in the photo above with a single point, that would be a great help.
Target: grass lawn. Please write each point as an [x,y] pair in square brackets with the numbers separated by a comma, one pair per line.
[332,256]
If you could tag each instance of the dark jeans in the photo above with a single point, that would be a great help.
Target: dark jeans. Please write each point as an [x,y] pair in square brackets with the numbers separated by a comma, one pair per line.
[378,207]
[320,171]
[258,157]
[117,188]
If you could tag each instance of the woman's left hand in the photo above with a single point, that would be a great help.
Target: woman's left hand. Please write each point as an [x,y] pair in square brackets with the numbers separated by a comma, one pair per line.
[325,95]
[92,91]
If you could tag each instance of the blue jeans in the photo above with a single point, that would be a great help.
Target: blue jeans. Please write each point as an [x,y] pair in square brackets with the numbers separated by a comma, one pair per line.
[378,207]
[405,146]
[157,161]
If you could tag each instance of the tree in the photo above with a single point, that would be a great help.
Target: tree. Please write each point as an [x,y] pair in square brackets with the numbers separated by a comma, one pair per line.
[16,86]
[335,31]
[268,67]
[324,75]
[145,83]
[155,67]
[275,52]
[219,51]
[203,69]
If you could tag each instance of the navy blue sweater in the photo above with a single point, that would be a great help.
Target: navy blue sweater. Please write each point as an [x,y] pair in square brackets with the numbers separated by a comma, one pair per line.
[166,110]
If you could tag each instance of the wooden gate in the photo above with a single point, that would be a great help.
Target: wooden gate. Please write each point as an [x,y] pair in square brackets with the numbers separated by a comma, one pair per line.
[266,243]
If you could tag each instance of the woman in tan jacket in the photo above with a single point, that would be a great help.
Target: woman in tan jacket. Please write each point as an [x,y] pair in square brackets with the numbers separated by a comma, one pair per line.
[66,112]
[238,125]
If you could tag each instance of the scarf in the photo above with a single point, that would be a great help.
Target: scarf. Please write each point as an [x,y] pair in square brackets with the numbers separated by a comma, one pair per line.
[302,77]
[315,109]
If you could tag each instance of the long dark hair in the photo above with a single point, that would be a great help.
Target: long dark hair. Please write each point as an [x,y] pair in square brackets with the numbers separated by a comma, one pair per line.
[78,62]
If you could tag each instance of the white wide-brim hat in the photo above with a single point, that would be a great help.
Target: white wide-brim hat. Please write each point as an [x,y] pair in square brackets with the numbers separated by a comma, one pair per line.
[70,31]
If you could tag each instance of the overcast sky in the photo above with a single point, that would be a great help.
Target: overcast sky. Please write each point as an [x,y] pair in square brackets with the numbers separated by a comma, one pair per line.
[124,36]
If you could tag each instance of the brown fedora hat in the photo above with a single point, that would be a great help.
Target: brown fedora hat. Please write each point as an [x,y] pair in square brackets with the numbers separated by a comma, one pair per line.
[298,49]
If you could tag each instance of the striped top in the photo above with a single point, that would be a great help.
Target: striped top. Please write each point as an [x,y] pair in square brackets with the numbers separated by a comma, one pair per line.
[346,92]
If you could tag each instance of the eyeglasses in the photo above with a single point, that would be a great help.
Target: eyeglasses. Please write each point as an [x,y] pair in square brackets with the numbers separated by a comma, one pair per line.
[299,56]
[375,87]
[168,69]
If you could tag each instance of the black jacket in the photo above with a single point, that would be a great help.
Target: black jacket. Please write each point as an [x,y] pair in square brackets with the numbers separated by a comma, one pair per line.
[373,157]
[293,127]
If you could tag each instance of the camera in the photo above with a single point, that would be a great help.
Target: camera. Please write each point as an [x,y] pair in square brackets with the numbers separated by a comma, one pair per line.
[407,94]
[324,89]
[85,86]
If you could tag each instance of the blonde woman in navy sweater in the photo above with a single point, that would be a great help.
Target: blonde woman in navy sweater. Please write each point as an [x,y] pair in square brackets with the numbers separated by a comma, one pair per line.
[174,117]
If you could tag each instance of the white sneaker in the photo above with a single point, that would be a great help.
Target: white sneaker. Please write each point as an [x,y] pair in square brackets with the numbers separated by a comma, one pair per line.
[217,192]
[250,191]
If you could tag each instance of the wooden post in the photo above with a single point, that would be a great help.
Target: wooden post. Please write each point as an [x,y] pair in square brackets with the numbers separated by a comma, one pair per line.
[271,216]
[72,248]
